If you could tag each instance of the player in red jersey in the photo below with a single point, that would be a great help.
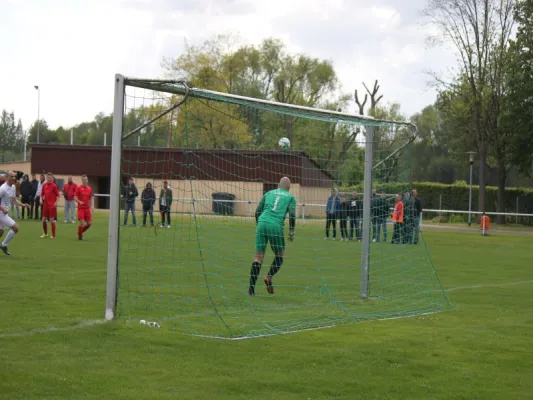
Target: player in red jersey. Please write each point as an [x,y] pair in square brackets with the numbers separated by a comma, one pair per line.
[84,198]
[49,198]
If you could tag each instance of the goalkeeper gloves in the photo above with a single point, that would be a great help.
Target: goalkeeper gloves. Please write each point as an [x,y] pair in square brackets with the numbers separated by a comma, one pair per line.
[291,235]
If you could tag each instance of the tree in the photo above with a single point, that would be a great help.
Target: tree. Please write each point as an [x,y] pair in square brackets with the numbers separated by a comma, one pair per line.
[518,101]
[8,133]
[266,71]
[430,155]
[479,31]
[45,134]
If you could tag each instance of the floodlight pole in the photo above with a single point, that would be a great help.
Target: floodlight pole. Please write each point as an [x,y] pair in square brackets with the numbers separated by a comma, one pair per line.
[114,206]
[471,160]
[367,204]
[38,111]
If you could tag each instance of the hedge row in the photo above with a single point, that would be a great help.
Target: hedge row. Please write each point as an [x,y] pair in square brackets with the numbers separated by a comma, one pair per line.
[455,197]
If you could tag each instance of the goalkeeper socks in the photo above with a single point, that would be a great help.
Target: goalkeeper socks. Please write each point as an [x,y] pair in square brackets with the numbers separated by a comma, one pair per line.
[45,228]
[276,266]
[53,229]
[10,235]
[254,273]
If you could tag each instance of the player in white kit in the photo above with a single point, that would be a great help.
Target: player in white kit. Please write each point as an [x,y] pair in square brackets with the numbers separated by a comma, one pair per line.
[7,195]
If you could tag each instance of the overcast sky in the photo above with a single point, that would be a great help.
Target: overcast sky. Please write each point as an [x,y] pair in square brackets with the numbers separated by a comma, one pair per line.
[73,48]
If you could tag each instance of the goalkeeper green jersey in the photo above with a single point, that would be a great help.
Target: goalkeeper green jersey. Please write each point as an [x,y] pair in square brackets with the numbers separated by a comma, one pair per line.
[274,206]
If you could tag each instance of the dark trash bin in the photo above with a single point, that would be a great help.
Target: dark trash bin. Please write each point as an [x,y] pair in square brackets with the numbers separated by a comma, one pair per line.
[223,203]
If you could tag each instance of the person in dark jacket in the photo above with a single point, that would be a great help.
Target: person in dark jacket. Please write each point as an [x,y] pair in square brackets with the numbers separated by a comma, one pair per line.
[26,194]
[409,218]
[34,185]
[332,213]
[148,201]
[343,217]
[130,196]
[355,212]
[165,204]
[417,215]
[381,214]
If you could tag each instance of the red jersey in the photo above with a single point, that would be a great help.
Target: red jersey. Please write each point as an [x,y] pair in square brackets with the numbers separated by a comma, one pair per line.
[84,194]
[69,190]
[50,193]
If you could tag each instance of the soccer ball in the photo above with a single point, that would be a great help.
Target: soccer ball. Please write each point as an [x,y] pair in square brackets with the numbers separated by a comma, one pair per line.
[284,143]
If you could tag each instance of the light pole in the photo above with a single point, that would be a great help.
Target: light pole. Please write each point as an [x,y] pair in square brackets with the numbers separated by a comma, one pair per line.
[38,111]
[471,161]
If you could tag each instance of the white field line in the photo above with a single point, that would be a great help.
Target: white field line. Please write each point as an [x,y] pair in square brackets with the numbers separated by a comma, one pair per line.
[86,324]
[503,284]
[50,329]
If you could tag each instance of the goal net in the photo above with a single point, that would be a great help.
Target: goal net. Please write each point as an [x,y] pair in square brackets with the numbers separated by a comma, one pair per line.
[199,162]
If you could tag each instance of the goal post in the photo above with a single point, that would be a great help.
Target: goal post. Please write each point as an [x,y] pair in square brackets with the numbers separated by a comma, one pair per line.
[209,157]
[114,206]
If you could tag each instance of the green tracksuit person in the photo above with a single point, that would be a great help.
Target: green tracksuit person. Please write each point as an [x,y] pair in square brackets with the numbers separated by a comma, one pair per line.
[270,217]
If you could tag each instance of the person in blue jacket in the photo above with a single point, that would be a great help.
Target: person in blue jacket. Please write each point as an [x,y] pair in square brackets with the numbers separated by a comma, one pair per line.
[333,207]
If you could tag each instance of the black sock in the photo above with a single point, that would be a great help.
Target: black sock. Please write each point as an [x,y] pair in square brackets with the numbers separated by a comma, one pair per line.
[276,265]
[254,273]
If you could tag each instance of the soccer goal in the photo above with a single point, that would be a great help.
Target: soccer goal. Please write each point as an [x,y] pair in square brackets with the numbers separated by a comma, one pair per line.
[199,162]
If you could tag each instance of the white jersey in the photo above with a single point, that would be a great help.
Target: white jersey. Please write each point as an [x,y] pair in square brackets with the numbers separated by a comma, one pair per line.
[7,193]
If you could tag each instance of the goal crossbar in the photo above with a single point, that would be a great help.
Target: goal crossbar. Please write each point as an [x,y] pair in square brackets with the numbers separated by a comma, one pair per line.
[181,87]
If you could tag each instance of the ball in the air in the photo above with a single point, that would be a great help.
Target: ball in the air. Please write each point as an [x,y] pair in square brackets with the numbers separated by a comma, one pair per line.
[284,143]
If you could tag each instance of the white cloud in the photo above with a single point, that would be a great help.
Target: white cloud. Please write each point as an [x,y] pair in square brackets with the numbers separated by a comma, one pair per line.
[73,48]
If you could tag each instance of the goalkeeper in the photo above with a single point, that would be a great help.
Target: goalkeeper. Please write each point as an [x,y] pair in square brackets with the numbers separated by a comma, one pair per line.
[270,217]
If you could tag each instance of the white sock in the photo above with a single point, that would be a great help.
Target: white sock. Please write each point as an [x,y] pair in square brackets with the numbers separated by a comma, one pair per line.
[8,238]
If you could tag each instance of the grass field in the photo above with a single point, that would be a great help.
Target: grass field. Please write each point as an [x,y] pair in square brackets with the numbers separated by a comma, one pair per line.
[53,343]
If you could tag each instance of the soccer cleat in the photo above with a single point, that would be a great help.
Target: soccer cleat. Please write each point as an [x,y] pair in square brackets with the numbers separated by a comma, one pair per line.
[251,291]
[326,238]
[5,250]
[168,226]
[52,237]
[268,283]
[44,236]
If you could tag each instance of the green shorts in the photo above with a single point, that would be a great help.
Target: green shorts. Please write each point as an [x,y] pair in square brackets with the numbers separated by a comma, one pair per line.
[269,233]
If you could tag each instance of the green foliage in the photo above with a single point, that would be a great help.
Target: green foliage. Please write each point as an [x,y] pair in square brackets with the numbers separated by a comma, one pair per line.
[12,136]
[518,103]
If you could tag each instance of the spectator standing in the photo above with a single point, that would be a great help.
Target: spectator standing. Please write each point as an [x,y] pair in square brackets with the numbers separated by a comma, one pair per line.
[332,212]
[148,201]
[355,213]
[381,215]
[130,195]
[409,218]
[343,216]
[418,213]
[37,197]
[397,220]
[34,185]
[165,202]
[373,214]
[26,194]
[69,190]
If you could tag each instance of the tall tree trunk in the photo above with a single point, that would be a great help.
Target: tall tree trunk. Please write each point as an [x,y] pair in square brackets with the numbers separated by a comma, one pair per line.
[502,179]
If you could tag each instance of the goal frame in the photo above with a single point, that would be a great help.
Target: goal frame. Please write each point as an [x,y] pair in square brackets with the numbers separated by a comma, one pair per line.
[181,88]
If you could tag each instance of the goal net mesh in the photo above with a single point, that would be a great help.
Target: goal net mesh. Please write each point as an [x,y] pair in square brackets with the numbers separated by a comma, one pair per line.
[218,155]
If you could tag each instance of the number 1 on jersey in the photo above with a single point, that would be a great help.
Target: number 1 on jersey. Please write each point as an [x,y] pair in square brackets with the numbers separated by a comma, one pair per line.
[275,204]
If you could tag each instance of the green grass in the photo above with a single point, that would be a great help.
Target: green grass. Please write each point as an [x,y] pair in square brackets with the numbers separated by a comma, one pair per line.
[480,350]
